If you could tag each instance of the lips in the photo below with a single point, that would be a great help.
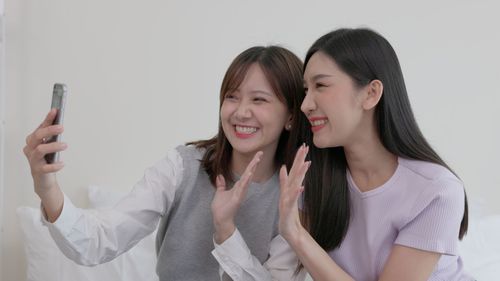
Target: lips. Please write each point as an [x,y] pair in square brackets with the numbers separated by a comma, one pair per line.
[317,123]
[245,132]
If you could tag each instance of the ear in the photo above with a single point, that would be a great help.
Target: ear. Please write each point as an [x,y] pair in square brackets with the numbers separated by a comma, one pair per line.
[289,122]
[375,90]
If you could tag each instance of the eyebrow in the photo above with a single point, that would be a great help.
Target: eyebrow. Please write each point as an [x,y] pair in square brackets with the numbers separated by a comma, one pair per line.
[261,92]
[319,76]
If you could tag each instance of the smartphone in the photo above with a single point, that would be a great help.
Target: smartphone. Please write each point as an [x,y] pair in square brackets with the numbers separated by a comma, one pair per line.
[58,102]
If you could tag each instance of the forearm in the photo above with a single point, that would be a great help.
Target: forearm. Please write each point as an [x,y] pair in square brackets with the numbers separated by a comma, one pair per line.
[316,260]
[52,199]
[236,260]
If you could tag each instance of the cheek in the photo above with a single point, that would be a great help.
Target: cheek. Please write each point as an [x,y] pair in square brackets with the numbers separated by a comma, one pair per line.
[278,115]
[225,111]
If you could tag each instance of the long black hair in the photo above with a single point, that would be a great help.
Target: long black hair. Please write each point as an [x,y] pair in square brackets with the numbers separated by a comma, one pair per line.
[365,56]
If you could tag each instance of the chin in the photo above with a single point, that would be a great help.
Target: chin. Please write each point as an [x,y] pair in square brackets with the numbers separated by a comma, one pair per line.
[244,148]
[322,143]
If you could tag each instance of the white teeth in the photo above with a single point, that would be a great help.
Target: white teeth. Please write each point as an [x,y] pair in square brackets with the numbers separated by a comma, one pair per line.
[245,130]
[318,122]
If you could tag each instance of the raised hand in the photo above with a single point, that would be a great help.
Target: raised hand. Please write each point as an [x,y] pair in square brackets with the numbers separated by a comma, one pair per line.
[226,203]
[44,174]
[291,186]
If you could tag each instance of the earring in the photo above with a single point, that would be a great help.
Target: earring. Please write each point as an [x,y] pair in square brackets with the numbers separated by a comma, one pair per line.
[288,127]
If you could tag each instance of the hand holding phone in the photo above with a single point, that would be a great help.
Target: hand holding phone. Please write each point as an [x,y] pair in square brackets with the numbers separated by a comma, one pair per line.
[58,102]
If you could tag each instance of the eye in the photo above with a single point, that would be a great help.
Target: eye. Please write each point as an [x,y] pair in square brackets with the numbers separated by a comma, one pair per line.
[306,89]
[230,96]
[259,99]
[320,85]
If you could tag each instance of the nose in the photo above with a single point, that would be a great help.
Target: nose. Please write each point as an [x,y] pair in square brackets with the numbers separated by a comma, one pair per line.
[308,105]
[243,111]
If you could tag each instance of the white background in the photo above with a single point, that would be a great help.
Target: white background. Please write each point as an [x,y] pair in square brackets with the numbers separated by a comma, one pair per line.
[144,77]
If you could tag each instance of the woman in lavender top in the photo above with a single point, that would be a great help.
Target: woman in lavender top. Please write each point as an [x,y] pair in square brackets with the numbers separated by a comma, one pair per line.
[379,203]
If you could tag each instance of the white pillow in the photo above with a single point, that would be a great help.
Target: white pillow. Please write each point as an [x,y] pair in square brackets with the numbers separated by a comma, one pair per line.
[480,248]
[46,262]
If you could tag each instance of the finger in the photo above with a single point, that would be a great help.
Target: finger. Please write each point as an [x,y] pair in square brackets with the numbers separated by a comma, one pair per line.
[298,164]
[298,192]
[298,179]
[52,168]
[41,150]
[220,183]
[49,118]
[241,187]
[38,136]
[253,164]
[298,160]
[283,178]
[249,171]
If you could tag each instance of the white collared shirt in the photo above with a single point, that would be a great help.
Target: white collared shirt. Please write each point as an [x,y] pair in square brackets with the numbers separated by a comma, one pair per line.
[91,237]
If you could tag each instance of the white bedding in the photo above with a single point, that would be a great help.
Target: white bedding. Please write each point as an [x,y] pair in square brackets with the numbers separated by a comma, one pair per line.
[46,262]
[480,249]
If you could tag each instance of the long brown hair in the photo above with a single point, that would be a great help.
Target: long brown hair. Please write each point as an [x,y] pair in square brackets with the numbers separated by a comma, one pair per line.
[283,70]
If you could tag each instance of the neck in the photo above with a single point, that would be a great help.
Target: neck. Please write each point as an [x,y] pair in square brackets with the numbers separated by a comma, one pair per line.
[369,162]
[264,171]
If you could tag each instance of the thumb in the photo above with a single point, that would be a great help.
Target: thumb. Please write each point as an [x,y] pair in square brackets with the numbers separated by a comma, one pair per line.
[283,177]
[220,183]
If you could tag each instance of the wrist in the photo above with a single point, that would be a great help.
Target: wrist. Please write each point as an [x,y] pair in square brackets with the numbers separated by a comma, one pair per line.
[223,232]
[295,237]
[44,184]
[44,191]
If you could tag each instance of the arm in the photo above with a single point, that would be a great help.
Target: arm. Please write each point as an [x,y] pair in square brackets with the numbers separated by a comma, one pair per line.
[410,264]
[44,178]
[236,260]
[231,251]
[88,236]
[404,263]
[91,237]
[316,260]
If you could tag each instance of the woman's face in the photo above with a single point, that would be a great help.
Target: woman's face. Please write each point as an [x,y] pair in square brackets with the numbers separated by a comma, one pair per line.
[333,103]
[253,117]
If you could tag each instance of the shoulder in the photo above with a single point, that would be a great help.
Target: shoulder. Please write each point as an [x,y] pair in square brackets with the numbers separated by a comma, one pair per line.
[427,170]
[430,174]
[437,185]
[178,158]
[189,152]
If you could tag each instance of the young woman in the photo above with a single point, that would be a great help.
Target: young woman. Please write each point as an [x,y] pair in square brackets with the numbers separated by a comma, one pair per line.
[379,202]
[260,128]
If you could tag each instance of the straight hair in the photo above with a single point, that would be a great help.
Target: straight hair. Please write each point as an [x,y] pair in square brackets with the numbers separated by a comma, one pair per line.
[283,70]
[365,56]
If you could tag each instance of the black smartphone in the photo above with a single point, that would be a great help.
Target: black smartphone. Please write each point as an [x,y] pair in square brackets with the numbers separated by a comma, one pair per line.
[58,102]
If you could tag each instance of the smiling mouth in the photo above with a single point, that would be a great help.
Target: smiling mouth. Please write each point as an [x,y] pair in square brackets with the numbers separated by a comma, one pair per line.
[245,131]
[318,124]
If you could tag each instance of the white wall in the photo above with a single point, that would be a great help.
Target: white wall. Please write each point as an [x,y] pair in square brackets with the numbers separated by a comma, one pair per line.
[144,76]
[2,123]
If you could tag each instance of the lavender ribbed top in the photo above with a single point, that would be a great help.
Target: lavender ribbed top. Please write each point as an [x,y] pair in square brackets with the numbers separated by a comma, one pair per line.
[420,206]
